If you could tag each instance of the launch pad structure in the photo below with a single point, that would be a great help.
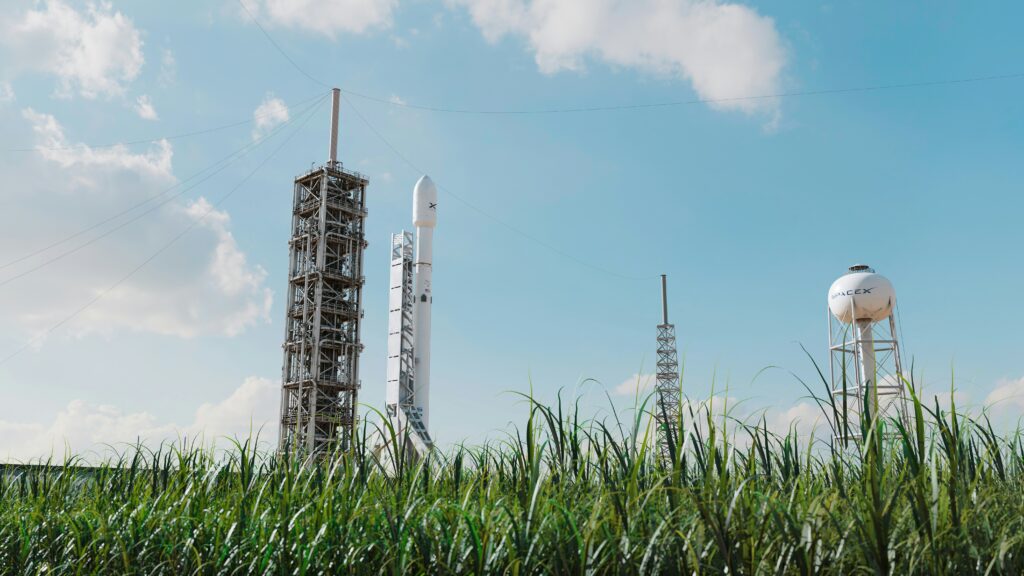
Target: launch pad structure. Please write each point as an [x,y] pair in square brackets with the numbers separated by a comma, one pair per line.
[322,344]
[407,396]
[667,387]
[400,396]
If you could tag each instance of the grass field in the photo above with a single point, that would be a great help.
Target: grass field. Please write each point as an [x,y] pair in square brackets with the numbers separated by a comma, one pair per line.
[559,496]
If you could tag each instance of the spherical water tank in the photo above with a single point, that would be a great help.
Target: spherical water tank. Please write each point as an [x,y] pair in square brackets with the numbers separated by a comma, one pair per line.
[861,294]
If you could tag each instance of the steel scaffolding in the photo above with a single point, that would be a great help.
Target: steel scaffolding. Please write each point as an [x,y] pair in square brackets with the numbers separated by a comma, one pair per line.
[854,393]
[320,380]
[400,403]
[668,385]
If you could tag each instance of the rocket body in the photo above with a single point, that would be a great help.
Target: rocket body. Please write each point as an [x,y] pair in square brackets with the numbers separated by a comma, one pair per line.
[424,219]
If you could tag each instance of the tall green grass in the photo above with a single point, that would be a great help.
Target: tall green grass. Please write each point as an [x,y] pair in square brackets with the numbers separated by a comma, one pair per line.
[560,495]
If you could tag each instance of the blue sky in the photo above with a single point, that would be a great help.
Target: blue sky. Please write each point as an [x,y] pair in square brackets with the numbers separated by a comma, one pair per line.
[752,207]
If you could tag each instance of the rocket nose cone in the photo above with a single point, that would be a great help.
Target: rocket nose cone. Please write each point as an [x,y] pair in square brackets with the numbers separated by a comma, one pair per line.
[425,186]
[424,202]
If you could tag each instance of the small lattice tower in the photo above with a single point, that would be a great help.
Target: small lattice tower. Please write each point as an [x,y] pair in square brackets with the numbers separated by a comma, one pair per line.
[320,377]
[668,384]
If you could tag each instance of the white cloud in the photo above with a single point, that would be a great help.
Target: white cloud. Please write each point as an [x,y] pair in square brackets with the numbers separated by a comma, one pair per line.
[717,404]
[54,146]
[327,17]
[82,427]
[1005,403]
[93,52]
[804,417]
[270,113]
[6,93]
[201,285]
[144,108]
[1007,392]
[637,384]
[396,99]
[168,68]
[251,407]
[725,50]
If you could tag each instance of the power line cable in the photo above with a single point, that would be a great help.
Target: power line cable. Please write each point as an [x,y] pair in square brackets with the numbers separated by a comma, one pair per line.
[161,138]
[223,163]
[278,47]
[483,212]
[158,252]
[641,106]
[107,233]
[409,163]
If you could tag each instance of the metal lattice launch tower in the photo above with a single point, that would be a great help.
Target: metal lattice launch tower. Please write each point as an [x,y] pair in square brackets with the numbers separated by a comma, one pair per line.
[667,387]
[320,377]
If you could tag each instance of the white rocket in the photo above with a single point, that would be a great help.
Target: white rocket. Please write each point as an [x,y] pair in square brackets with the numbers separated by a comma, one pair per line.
[424,218]
[407,395]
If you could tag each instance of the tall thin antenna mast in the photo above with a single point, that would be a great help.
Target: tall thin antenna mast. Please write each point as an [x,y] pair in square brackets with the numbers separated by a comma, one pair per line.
[332,159]
[664,299]
[668,385]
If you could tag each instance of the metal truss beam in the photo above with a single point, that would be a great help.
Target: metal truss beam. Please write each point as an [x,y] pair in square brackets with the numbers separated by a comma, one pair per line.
[320,376]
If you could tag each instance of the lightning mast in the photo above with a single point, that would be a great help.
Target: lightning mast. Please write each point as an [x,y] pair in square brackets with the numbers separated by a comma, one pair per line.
[320,376]
[666,413]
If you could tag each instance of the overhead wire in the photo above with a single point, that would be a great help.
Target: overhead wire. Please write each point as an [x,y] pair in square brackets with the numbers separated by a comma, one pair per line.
[161,138]
[636,106]
[107,233]
[391,101]
[217,167]
[547,245]
[413,166]
[673,103]
[202,217]
[279,49]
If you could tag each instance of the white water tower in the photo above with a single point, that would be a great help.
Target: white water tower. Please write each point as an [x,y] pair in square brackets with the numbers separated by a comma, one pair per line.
[864,351]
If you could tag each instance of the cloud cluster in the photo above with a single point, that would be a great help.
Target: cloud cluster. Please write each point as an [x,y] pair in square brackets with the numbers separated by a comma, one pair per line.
[731,55]
[725,50]
[202,285]
[144,108]
[6,93]
[83,162]
[168,68]
[1005,403]
[272,112]
[804,417]
[94,52]
[636,384]
[83,427]
[326,17]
